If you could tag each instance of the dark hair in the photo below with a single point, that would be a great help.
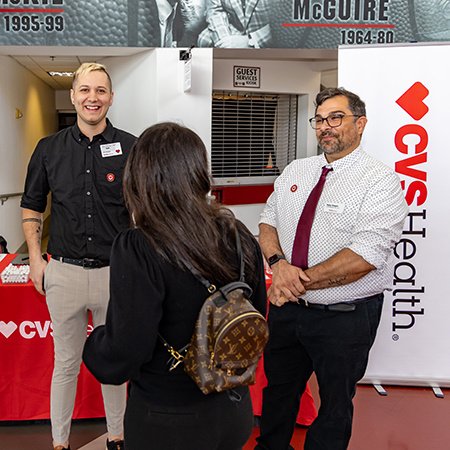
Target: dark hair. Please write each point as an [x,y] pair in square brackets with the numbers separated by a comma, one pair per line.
[166,190]
[356,105]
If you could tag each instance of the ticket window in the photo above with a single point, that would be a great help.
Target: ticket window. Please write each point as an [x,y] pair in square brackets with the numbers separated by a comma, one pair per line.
[253,138]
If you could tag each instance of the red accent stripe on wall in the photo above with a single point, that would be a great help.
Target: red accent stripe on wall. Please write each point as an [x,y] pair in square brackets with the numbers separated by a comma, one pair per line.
[8,10]
[242,195]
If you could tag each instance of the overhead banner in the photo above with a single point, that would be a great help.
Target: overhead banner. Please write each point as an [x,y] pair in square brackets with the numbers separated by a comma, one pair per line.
[222,23]
[404,87]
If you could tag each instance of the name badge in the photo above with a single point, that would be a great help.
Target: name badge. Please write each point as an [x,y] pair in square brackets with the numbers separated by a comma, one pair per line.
[337,208]
[113,149]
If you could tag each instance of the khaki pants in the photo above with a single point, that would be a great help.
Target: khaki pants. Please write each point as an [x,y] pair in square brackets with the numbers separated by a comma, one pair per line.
[71,293]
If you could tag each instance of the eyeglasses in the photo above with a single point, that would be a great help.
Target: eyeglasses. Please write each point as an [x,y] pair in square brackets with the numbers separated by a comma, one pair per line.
[333,120]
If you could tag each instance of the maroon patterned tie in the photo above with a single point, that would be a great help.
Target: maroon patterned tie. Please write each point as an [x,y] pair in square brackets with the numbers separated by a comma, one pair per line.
[301,241]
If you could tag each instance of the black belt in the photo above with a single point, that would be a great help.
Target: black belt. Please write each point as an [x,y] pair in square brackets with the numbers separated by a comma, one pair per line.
[339,307]
[86,263]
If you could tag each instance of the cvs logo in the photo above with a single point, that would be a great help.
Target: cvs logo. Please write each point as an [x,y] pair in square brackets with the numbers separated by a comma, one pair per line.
[412,101]
[27,329]
[30,330]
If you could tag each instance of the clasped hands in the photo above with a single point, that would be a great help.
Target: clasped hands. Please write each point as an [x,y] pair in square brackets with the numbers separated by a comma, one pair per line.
[288,283]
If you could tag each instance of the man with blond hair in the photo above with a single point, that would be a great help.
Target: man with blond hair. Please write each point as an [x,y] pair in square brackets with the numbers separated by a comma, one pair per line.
[82,167]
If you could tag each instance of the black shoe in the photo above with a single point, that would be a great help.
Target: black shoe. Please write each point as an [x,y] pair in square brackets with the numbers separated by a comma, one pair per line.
[115,445]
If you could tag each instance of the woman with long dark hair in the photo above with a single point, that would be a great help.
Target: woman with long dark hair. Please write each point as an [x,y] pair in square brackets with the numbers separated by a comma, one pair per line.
[174,219]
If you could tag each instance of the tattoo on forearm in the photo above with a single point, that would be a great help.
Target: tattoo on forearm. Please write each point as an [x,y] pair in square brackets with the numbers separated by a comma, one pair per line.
[32,219]
[337,281]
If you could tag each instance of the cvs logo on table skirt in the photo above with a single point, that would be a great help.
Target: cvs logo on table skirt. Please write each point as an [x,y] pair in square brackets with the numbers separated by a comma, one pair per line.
[7,329]
[29,330]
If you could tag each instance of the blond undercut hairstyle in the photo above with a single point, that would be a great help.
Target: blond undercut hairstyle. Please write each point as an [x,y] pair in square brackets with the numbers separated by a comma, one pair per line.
[90,67]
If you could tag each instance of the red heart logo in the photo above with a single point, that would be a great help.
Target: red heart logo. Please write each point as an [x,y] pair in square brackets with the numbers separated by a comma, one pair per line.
[412,101]
[7,329]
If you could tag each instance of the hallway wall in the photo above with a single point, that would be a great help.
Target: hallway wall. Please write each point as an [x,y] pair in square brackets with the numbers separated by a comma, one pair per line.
[20,89]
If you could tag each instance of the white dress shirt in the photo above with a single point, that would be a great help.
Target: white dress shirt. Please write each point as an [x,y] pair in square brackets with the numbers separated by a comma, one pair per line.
[362,208]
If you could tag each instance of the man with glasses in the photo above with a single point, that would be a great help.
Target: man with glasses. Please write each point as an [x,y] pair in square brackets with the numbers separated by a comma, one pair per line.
[329,276]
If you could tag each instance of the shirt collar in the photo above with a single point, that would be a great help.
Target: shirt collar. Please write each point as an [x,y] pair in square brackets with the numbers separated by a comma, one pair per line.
[344,162]
[107,134]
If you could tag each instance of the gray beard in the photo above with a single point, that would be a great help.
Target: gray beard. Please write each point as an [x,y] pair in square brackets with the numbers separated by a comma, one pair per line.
[336,147]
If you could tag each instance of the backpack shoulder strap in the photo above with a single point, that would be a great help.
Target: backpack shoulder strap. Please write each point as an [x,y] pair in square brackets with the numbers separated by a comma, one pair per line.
[211,288]
[240,257]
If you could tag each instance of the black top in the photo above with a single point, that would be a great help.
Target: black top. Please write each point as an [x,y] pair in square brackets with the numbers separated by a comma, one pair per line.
[87,209]
[148,295]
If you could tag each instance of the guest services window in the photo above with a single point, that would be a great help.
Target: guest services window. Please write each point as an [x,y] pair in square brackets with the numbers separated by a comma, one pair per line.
[254,136]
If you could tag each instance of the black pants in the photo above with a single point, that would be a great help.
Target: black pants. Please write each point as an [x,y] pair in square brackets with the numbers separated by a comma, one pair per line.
[335,345]
[215,424]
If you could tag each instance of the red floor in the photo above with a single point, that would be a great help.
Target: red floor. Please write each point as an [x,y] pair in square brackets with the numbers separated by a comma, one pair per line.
[405,419]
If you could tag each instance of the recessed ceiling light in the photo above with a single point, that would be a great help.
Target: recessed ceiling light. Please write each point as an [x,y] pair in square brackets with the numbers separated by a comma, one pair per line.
[61,74]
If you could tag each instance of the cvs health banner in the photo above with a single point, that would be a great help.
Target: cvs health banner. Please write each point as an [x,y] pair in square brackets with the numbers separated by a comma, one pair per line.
[405,90]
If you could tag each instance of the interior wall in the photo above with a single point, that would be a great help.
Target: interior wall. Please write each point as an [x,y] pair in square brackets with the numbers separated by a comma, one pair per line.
[329,78]
[20,89]
[134,86]
[192,108]
[63,102]
[149,89]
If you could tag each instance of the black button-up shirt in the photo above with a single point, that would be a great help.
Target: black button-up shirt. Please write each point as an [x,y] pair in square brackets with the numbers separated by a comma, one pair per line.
[87,209]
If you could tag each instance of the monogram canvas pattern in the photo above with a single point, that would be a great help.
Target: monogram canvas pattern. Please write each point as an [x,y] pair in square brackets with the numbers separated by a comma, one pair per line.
[229,337]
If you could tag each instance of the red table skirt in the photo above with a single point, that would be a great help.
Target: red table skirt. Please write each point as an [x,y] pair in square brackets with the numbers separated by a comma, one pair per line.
[26,358]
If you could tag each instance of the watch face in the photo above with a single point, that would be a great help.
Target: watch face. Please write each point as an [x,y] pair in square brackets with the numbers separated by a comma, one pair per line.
[274,259]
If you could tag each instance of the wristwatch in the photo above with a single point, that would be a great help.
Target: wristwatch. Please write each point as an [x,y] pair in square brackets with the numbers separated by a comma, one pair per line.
[274,258]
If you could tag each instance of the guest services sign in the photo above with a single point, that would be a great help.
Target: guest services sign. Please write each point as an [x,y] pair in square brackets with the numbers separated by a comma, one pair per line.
[247,77]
